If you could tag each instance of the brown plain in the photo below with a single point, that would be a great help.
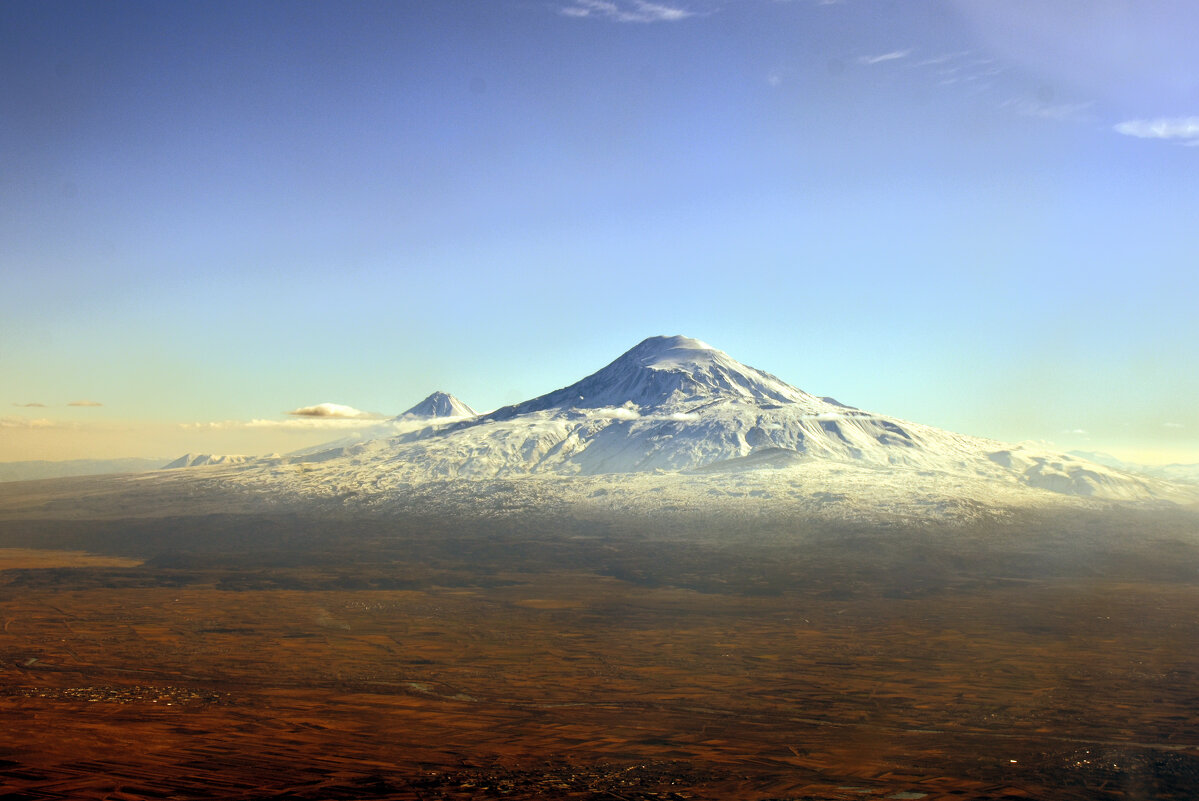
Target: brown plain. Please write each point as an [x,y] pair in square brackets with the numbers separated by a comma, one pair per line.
[347,659]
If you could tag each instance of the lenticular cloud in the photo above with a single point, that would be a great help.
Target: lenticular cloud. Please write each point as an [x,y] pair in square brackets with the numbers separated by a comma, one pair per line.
[336,410]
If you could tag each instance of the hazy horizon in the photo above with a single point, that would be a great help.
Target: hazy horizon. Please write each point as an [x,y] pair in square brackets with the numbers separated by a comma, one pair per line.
[974,215]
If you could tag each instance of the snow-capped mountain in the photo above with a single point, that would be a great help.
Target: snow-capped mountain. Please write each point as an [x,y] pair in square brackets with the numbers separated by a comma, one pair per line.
[676,425]
[438,408]
[678,406]
[665,372]
[439,404]
[670,403]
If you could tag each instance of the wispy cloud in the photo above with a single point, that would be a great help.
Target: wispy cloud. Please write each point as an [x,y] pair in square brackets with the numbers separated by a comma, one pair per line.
[625,11]
[85,403]
[894,55]
[1061,112]
[334,410]
[294,424]
[1173,425]
[944,58]
[625,413]
[315,422]
[34,405]
[1183,129]
[960,69]
[618,413]
[25,422]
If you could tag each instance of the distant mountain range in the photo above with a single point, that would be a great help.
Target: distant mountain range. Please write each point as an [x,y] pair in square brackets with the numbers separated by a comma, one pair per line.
[32,470]
[1170,472]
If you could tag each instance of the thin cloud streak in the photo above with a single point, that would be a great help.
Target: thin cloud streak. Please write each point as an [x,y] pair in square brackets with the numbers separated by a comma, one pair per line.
[1061,112]
[25,422]
[894,55]
[295,424]
[85,403]
[635,11]
[944,58]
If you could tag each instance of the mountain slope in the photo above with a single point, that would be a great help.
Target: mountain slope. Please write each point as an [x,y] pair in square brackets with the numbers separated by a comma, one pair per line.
[204,459]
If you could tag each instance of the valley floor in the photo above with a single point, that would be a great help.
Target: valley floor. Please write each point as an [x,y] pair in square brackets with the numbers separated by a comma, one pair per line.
[246,657]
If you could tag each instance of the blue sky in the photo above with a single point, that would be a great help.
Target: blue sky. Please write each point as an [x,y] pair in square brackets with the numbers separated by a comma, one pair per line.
[978,214]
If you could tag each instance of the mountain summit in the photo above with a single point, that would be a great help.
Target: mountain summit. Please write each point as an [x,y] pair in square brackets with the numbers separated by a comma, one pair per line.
[439,404]
[667,371]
